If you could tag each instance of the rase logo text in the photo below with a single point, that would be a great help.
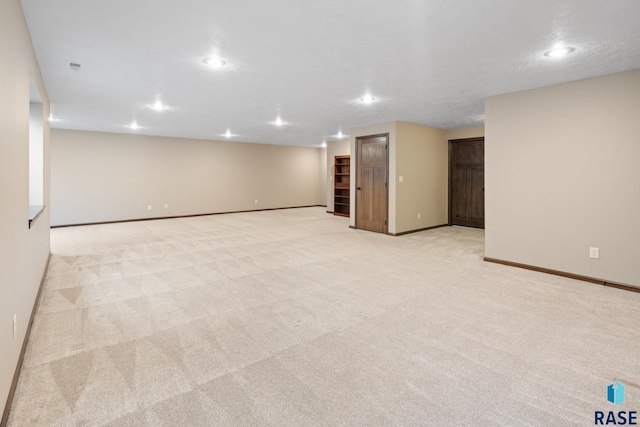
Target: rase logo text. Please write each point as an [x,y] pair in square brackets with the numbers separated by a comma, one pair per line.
[615,395]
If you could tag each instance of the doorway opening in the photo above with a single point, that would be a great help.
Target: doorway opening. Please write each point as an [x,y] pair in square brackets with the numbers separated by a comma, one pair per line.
[36,152]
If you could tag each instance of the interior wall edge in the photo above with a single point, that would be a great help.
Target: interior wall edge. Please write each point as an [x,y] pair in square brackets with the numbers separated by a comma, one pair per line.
[594,280]
[24,250]
[16,375]
[180,216]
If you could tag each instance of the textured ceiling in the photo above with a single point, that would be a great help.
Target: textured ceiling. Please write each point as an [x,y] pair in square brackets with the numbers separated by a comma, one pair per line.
[430,62]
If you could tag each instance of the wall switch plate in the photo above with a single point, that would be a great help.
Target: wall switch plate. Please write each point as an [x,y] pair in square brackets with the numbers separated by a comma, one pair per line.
[401,178]
[15,326]
[166,206]
[594,253]
[419,215]
[255,201]
[148,207]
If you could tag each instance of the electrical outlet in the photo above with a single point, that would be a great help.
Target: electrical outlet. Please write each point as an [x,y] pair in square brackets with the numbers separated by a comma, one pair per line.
[419,214]
[166,206]
[594,253]
[149,207]
[15,326]
[255,201]
[401,178]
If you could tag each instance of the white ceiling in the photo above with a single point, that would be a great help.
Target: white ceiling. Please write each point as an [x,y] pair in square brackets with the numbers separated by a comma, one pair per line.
[430,62]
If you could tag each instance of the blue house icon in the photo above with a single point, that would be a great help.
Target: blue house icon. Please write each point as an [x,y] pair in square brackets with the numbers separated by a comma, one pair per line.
[615,393]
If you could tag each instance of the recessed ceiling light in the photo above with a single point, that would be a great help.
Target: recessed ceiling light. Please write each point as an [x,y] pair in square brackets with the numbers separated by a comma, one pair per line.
[134,126]
[228,134]
[278,122]
[52,119]
[559,51]
[158,106]
[324,145]
[367,99]
[341,135]
[214,62]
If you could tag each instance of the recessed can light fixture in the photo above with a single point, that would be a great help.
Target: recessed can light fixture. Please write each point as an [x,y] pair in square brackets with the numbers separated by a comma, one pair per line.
[158,106]
[559,52]
[367,99]
[214,62]
[228,134]
[278,122]
[324,144]
[340,134]
[134,126]
[52,119]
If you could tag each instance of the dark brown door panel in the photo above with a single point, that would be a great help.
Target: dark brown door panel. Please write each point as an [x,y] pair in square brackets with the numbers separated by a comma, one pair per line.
[466,182]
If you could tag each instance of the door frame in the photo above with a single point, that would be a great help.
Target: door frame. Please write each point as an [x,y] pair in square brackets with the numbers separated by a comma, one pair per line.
[356,181]
[450,177]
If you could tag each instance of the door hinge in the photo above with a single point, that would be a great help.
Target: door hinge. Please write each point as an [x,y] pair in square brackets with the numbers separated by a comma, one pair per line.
[385,222]
[385,185]
[385,146]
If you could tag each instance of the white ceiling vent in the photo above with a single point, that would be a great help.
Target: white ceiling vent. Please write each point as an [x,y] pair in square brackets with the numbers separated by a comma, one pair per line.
[74,66]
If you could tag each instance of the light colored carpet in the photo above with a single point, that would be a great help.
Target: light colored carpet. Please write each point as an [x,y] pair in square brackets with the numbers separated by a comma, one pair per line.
[291,318]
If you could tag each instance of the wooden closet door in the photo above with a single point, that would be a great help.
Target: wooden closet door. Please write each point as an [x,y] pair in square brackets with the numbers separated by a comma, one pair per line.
[371,183]
[466,179]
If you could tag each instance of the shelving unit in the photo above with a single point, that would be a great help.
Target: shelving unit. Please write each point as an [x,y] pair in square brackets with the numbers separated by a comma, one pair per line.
[341,185]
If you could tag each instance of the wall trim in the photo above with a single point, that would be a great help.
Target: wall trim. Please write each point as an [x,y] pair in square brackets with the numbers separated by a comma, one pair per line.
[34,213]
[180,216]
[402,233]
[16,375]
[602,282]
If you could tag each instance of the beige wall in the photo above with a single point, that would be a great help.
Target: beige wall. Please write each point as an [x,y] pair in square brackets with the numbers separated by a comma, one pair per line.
[23,251]
[474,132]
[106,177]
[322,181]
[421,161]
[418,154]
[335,148]
[562,175]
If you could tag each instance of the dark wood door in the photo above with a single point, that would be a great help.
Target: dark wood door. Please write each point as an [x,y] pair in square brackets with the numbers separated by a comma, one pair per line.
[371,183]
[466,182]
